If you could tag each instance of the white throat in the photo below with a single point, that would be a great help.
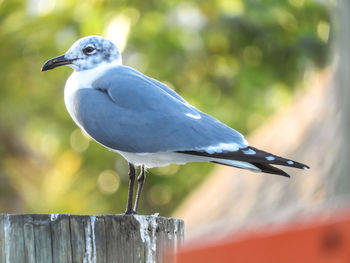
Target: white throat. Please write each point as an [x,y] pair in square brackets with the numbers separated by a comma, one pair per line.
[84,78]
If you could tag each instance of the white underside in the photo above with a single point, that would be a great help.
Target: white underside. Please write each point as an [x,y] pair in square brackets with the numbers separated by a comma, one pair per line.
[165,158]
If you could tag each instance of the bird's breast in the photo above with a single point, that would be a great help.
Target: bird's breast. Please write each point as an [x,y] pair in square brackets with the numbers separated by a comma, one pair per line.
[70,89]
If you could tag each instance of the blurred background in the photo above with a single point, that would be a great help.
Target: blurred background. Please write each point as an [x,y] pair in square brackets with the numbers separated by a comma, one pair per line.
[239,61]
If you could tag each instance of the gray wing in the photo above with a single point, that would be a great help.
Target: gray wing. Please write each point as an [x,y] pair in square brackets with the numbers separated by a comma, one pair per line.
[158,84]
[129,112]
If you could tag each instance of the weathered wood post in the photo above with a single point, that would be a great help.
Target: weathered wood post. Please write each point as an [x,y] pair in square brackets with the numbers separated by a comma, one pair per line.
[51,238]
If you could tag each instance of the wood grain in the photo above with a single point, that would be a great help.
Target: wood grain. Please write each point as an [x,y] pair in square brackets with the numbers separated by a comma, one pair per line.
[53,238]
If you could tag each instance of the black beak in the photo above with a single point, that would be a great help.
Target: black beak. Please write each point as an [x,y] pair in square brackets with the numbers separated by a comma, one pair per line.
[55,62]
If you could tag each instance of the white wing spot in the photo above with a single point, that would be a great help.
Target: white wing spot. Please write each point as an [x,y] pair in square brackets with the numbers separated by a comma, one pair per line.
[197,117]
[249,151]
[270,158]
[221,147]
[305,168]
[290,162]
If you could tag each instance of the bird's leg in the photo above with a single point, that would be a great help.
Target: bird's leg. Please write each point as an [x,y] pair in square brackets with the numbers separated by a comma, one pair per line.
[129,210]
[140,180]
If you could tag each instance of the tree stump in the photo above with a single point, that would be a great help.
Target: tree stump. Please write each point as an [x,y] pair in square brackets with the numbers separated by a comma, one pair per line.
[51,238]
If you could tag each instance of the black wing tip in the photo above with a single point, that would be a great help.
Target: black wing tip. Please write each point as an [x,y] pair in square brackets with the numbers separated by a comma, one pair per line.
[295,164]
[267,168]
[251,155]
[278,160]
[284,175]
[305,167]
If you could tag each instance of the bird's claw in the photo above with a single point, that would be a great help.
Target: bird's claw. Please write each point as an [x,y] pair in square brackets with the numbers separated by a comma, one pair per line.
[130,212]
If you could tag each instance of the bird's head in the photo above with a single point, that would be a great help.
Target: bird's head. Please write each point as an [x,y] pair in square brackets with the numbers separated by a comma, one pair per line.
[86,53]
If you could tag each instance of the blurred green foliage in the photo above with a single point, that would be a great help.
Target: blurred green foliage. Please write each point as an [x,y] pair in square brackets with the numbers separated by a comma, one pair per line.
[236,60]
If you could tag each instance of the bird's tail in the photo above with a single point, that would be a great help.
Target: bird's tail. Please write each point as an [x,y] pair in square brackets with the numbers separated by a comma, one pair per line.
[252,159]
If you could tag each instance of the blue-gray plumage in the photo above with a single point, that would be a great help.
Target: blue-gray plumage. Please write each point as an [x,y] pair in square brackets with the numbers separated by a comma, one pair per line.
[131,113]
[144,120]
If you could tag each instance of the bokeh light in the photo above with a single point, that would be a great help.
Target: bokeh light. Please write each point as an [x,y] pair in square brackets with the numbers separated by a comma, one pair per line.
[108,182]
[323,30]
[160,195]
[79,141]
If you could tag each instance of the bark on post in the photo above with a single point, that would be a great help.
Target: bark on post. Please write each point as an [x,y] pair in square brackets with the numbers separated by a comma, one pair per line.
[61,238]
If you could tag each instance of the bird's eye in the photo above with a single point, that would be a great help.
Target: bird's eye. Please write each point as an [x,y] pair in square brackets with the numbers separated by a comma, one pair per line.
[89,50]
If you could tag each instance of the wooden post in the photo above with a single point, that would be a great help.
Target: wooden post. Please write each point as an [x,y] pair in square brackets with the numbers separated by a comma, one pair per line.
[64,238]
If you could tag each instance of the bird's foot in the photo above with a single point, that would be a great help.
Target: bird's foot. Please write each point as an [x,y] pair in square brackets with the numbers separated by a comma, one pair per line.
[130,212]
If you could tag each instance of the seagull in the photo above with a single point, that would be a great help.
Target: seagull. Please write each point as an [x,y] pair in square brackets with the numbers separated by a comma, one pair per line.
[145,121]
